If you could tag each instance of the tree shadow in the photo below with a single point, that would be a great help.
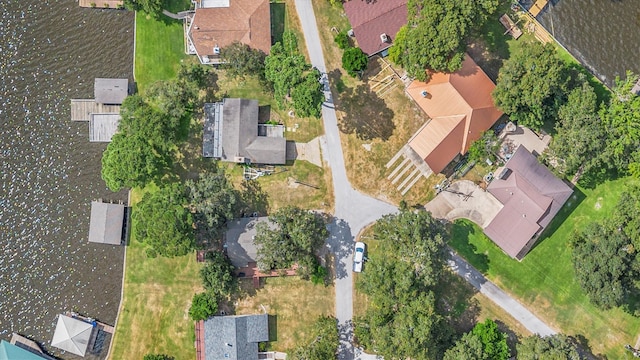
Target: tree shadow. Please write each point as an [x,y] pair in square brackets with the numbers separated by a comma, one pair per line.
[512,337]
[460,234]
[455,300]
[584,349]
[565,212]
[365,114]
[264,114]
[278,10]
[253,198]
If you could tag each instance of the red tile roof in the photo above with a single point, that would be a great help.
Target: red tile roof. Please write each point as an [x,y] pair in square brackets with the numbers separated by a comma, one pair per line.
[247,21]
[465,93]
[370,19]
[531,196]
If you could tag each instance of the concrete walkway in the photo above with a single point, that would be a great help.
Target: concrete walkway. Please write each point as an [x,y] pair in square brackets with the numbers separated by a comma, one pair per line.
[353,210]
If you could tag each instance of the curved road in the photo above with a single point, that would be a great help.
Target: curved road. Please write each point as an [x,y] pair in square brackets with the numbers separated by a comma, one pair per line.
[354,210]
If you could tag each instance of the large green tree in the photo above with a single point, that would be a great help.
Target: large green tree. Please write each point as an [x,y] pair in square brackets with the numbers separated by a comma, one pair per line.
[292,77]
[468,347]
[294,236]
[214,200]
[622,119]
[532,85]
[151,7]
[484,342]
[203,306]
[436,34]
[581,137]
[354,61]
[163,222]
[403,320]
[626,214]
[324,345]
[240,60]
[554,347]
[217,275]
[603,260]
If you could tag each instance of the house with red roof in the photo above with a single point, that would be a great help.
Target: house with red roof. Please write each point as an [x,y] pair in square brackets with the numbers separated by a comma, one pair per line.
[375,23]
[531,196]
[460,109]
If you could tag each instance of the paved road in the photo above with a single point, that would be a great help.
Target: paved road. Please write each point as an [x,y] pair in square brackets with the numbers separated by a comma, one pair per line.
[502,299]
[353,210]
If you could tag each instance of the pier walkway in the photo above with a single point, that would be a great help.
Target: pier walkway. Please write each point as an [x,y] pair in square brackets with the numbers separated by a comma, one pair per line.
[81,109]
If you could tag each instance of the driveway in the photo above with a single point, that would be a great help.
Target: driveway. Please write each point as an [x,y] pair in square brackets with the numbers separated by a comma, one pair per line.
[353,210]
[464,199]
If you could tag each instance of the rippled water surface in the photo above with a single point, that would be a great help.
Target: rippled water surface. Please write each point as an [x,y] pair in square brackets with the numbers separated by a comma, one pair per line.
[50,52]
[603,34]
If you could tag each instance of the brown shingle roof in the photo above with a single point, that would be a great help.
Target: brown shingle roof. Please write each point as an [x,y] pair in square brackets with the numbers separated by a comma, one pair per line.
[466,93]
[371,19]
[531,195]
[247,21]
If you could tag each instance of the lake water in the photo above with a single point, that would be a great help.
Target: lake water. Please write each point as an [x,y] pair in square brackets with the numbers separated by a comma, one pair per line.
[604,35]
[50,52]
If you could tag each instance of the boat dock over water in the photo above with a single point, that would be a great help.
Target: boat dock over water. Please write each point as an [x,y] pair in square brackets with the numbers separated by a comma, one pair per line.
[537,7]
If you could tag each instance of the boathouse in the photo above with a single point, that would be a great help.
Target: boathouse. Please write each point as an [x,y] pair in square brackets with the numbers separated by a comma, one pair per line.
[108,223]
[72,335]
[103,111]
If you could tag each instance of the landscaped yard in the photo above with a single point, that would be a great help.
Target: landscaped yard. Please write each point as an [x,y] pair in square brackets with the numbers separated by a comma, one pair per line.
[544,280]
[159,49]
[157,296]
[296,304]
[376,117]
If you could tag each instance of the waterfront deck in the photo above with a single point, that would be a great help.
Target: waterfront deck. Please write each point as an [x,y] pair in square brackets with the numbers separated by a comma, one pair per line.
[81,109]
[105,4]
[538,7]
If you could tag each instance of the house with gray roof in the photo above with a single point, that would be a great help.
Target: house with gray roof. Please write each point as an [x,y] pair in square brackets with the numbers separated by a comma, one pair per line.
[107,223]
[232,134]
[231,337]
[531,196]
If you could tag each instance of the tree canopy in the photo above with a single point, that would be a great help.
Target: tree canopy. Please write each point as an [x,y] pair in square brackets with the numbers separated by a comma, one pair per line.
[485,148]
[484,342]
[402,320]
[325,341]
[151,7]
[354,60]
[214,200]
[240,60]
[294,236]
[217,275]
[581,136]
[163,222]
[203,306]
[552,347]
[531,85]
[291,76]
[436,34]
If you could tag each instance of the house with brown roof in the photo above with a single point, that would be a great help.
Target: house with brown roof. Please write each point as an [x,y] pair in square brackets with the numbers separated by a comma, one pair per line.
[531,196]
[216,24]
[376,23]
[460,109]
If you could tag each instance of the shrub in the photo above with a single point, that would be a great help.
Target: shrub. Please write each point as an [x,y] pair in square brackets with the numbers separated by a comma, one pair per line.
[342,39]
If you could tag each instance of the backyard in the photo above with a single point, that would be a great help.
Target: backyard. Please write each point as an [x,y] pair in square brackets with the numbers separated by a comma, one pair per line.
[154,316]
[296,303]
[544,280]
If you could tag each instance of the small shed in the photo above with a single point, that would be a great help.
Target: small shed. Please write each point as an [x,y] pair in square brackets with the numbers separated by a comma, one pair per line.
[110,91]
[107,223]
[102,127]
[72,335]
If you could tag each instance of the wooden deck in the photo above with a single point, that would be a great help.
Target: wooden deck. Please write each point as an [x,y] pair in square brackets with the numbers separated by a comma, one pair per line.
[19,339]
[103,4]
[537,7]
[511,27]
[81,109]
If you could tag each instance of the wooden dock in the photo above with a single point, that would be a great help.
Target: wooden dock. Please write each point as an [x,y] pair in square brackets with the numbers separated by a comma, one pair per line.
[81,109]
[101,4]
[512,28]
[537,7]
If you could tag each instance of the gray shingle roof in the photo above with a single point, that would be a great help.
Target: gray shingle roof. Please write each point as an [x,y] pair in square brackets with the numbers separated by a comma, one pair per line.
[235,337]
[106,223]
[110,91]
[231,134]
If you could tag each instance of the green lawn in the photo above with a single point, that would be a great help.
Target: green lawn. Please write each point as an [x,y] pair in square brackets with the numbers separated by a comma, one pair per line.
[544,280]
[157,296]
[159,49]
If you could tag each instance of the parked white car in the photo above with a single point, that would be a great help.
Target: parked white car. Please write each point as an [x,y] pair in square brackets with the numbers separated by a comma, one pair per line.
[358,257]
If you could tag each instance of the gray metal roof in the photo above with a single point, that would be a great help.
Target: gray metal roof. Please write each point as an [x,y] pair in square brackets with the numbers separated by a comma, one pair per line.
[106,223]
[110,91]
[72,335]
[235,337]
[102,127]
[231,134]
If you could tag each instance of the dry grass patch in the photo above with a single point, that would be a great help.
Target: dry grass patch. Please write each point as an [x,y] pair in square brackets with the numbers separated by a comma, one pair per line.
[296,304]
